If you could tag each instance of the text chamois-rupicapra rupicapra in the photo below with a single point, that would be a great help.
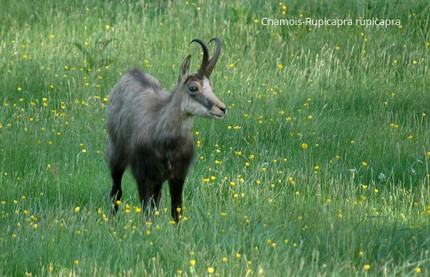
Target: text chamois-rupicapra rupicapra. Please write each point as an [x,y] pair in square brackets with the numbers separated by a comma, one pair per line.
[149,129]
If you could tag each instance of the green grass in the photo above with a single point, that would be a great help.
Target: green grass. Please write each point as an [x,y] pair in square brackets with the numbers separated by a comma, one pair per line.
[321,167]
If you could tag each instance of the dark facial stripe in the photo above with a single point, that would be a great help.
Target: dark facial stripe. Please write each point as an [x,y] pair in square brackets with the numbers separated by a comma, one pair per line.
[199,97]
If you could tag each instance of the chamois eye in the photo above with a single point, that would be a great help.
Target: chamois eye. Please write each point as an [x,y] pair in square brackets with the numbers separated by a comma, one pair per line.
[193,89]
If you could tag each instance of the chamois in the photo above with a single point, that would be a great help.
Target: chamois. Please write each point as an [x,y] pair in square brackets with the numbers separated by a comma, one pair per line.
[149,129]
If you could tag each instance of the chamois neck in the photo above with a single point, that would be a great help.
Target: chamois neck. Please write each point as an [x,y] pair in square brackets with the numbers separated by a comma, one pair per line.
[173,120]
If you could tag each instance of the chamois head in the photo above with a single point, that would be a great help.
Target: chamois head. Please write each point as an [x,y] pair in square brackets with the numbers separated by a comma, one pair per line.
[201,100]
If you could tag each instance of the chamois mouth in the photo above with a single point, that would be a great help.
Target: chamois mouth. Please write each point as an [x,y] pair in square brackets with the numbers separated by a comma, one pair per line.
[219,114]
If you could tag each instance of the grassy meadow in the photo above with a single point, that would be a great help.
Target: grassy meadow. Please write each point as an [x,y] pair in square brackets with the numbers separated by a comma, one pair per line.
[320,168]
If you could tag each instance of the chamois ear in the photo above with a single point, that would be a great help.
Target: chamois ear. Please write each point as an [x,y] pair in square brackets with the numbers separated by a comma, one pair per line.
[184,69]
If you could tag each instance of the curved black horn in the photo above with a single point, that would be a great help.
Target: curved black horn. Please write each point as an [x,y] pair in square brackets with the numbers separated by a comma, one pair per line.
[202,69]
[214,58]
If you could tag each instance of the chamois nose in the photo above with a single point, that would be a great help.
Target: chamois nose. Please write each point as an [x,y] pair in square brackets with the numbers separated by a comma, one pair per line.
[223,109]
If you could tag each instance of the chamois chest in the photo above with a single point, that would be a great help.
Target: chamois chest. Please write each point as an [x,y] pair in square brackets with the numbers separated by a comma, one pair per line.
[165,159]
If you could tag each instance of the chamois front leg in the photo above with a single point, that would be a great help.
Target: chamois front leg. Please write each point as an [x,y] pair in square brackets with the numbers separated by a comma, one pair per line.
[176,186]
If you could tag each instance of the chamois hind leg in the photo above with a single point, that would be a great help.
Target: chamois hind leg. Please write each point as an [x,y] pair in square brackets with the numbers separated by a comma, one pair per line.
[157,195]
[117,167]
[116,191]
[176,186]
[149,187]
[149,194]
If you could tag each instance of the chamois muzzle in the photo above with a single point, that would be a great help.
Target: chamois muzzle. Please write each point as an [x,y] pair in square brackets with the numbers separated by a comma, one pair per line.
[218,112]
